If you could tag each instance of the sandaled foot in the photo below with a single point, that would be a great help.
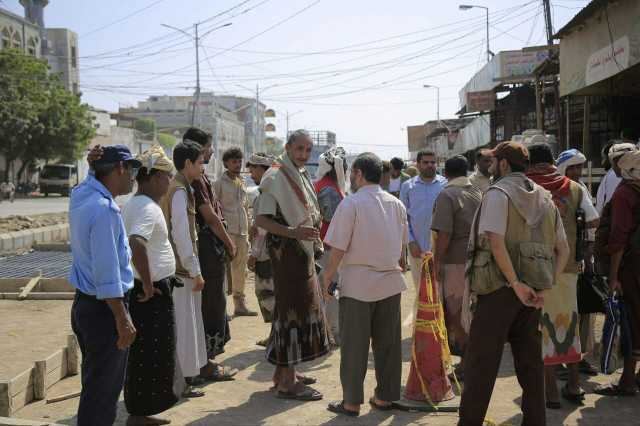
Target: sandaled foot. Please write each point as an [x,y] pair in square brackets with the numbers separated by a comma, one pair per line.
[615,390]
[381,407]
[575,398]
[338,408]
[220,374]
[306,380]
[304,393]
[263,342]
[190,392]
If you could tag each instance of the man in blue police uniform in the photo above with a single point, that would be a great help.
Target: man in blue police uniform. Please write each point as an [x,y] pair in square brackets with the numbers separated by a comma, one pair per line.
[102,275]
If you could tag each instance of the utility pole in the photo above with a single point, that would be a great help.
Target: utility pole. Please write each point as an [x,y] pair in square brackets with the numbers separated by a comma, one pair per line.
[257,121]
[197,100]
[547,21]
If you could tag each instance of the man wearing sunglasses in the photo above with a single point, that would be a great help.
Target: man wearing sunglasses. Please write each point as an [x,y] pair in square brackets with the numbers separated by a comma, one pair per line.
[102,275]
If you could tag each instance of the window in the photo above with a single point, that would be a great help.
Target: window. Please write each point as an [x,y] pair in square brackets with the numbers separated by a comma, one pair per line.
[74,58]
[6,38]
[32,46]
[17,40]
[75,88]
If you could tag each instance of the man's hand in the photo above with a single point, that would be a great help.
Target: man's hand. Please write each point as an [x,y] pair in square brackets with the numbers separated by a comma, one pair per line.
[126,331]
[403,263]
[198,283]
[253,231]
[149,292]
[251,263]
[306,233]
[541,298]
[615,286]
[232,249]
[94,154]
[526,294]
[415,250]
[326,283]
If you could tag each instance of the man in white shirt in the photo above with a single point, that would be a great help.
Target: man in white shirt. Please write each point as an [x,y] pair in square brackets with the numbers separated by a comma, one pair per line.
[150,303]
[179,209]
[7,190]
[368,235]
[612,179]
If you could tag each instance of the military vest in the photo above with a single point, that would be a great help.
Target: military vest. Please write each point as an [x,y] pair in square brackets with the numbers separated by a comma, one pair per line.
[531,250]
[568,207]
[180,182]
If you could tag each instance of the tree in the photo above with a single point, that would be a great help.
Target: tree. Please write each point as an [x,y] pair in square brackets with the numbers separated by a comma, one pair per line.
[39,118]
[145,126]
[167,141]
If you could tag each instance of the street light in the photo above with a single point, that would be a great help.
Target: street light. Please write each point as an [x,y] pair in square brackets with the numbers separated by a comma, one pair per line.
[431,86]
[486,9]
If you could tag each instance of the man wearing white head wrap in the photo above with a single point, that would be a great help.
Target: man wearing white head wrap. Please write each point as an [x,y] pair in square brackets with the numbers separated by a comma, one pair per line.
[622,245]
[571,157]
[612,179]
[330,189]
[151,303]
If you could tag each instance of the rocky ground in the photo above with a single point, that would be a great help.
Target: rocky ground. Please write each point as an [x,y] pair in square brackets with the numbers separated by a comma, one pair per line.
[14,223]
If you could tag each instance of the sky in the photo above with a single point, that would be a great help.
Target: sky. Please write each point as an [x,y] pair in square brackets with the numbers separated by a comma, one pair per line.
[354,67]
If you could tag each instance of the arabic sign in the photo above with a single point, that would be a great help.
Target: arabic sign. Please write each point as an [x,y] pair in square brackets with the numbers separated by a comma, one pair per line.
[518,63]
[608,61]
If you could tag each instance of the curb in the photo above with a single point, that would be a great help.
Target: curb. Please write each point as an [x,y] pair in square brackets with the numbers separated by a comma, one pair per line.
[24,240]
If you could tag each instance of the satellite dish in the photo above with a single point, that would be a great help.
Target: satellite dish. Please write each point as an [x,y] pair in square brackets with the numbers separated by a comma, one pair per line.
[270,127]
[270,113]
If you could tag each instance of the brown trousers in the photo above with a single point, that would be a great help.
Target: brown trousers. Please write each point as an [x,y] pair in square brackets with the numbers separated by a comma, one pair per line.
[499,318]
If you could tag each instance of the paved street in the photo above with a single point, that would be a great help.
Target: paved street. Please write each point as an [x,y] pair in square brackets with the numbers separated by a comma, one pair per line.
[248,401]
[33,206]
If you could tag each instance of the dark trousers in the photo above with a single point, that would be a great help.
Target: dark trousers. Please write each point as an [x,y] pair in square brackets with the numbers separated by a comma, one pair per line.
[378,323]
[500,317]
[103,364]
[214,298]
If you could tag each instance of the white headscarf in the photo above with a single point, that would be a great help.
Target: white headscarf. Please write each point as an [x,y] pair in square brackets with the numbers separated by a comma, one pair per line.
[570,157]
[619,149]
[334,158]
[629,164]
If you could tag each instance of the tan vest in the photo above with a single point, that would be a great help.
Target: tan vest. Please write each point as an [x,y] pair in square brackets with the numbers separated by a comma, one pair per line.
[568,209]
[532,252]
[180,182]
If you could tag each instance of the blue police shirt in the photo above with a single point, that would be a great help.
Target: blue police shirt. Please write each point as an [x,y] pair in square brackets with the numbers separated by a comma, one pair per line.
[419,198]
[99,245]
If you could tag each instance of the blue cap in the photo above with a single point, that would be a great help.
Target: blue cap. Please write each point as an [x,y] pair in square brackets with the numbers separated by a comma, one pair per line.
[115,154]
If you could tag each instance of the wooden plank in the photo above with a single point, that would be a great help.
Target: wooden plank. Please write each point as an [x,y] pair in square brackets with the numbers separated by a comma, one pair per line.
[30,285]
[21,399]
[39,377]
[72,355]
[54,376]
[21,382]
[54,360]
[63,397]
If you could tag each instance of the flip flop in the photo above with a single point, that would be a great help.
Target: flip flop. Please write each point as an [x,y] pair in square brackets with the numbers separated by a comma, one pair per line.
[307,394]
[338,408]
[221,374]
[374,404]
[572,397]
[192,393]
[615,390]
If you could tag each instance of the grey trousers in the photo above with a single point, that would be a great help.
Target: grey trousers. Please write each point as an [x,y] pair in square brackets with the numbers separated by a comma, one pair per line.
[360,323]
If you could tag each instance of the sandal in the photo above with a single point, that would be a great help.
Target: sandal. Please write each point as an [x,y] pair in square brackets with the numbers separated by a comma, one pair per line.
[374,404]
[338,408]
[614,390]
[220,374]
[572,397]
[307,394]
[306,380]
[190,392]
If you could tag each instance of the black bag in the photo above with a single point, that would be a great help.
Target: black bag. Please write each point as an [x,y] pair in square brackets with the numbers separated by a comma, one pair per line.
[263,270]
[592,293]
[218,249]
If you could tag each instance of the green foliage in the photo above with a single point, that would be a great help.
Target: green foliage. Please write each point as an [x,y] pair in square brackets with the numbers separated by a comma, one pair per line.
[167,141]
[145,126]
[39,118]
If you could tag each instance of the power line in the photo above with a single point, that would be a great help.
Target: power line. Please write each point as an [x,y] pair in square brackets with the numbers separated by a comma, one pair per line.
[117,21]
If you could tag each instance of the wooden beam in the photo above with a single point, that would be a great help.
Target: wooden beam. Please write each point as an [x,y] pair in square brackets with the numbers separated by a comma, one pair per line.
[30,285]
[39,380]
[72,355]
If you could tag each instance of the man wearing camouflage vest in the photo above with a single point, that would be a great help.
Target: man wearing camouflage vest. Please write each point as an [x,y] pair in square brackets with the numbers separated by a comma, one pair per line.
[516,244]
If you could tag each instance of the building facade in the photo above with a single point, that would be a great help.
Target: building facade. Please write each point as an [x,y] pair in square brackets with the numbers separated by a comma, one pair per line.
[59,46]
